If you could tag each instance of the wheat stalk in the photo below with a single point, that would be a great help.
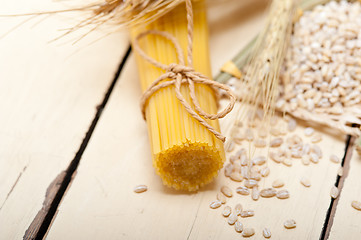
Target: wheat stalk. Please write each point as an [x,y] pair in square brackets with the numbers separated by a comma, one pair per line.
[259,86]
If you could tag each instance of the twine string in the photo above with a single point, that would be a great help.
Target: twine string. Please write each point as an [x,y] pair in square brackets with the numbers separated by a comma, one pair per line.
[179,73]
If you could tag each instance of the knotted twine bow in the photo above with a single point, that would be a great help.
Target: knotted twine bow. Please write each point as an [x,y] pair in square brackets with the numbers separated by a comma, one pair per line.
[179,74]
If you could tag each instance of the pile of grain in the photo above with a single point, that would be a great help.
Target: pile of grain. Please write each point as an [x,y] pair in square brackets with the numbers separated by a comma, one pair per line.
[323,65]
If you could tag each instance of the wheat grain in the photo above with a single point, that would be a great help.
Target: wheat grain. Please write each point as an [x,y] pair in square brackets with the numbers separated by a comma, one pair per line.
[238,209]
[268,192]
[278,183]
[227,210]
[238,226]
[283,194]
[215,204]
[255,193]
[334,158]
[247,213]
[305,182]
[290,223]
[248,232]
[334,192]
[140,188]
[340,171]
[233,217]
[242,190]
[356,205]
[266,233]
[250,183]
[226,191]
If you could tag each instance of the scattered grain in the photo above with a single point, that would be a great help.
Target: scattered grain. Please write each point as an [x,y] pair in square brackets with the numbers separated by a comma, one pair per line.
[242,190]
[290,223]
[247,213]
[227,210]
[215,204]
[317,150]
[226,191]
[236,176]
[255,175]
[238,226]
[334,158]
[248,232]
[255,193]
[250,183]
[238,209]
[283,194]
[244,172]
[340,171]
[278,183]
[314,158]
[140,188]
[266,233]
[268,192]
[334,192]
[356,205]
[232,218]
[305,182]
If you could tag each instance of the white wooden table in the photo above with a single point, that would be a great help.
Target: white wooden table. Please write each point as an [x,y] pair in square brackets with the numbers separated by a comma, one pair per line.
[61,114]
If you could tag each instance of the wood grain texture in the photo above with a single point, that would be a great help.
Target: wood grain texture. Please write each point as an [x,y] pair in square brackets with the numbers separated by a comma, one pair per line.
[101,202]
[48,97]
[101,199]
[347,220]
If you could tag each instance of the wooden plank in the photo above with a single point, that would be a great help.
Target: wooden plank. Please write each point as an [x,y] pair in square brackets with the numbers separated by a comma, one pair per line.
[347,220]
[48,98]
[232,25]
[101,202]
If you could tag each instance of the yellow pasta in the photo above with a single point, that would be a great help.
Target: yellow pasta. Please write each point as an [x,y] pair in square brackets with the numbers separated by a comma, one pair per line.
[185,154]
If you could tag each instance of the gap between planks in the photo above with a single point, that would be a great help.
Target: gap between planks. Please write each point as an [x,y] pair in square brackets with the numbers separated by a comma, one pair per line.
[339,184]
[58,187]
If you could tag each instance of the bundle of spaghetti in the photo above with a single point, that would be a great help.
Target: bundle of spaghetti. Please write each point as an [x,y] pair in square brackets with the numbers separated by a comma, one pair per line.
[186,155]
